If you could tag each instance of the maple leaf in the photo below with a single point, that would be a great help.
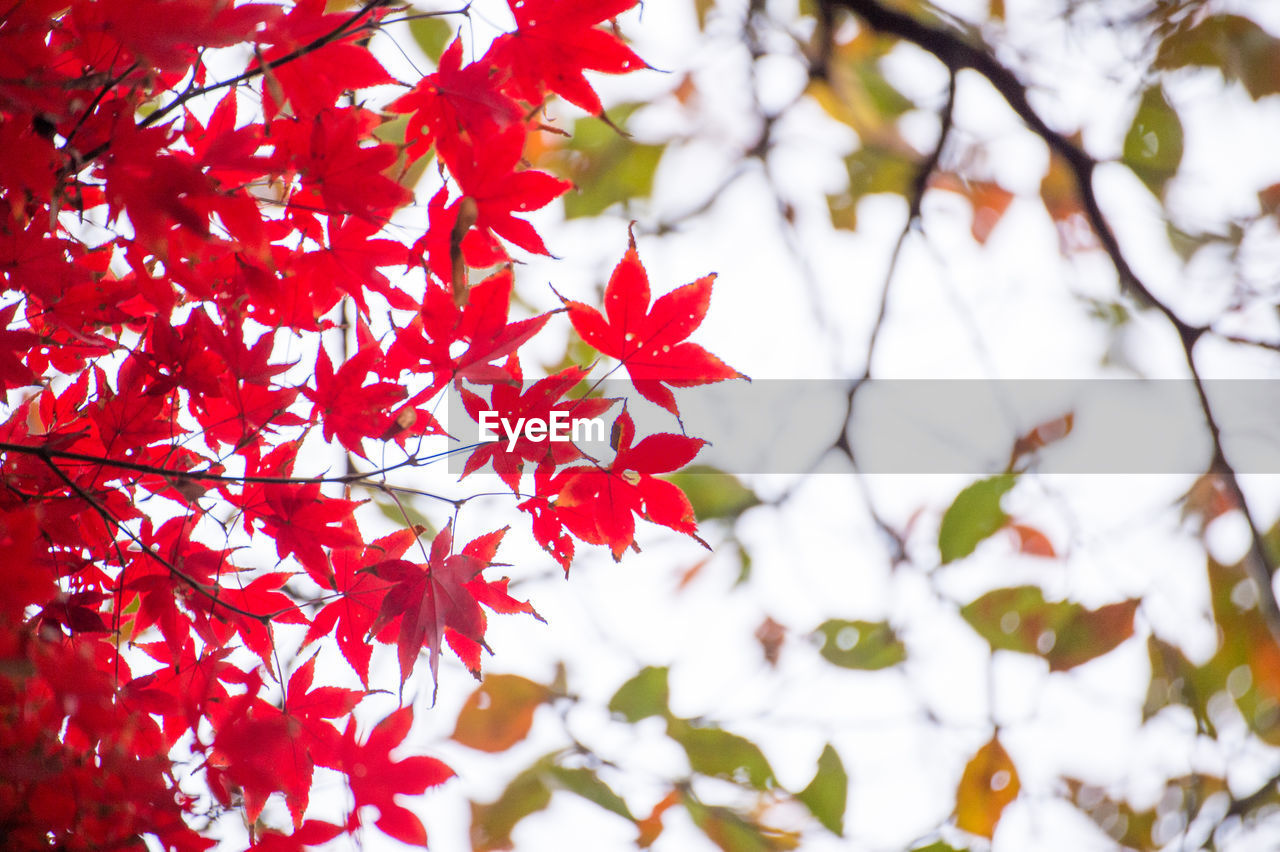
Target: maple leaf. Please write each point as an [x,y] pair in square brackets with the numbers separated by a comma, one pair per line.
[375,779]
[481,323]
[253,750]
[599,505]
[349,617]
[428,599]
[650,341]
[457,108]
[13,343]
[489,177]
[301,520]
[538,401]
[340,171]
[555,42]
[346,407]
[350,263]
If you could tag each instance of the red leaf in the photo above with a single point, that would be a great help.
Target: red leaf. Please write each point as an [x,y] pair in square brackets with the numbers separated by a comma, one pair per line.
[553,45]
[649,341]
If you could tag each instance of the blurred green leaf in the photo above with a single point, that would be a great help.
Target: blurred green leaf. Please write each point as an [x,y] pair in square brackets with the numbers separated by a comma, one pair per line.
[588,785]
[492,823]
[1236,46]
[744,565]
[643,696]
[604,165]
[713,493]
[975,515]
[868,645]
[393,130]
[827,795]
[1153,145]
[1065,633]
[938,846]
[402,512]
[716,752]
[431,35]
[1175,680]
[1246,664]
[733,833]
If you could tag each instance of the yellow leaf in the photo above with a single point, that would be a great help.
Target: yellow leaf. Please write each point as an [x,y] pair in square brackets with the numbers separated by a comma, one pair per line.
[988,785]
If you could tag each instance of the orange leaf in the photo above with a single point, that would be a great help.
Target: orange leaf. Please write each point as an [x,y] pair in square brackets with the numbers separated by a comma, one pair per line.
[1041,436]
[988,785]
[651,826]
[1032,542]
[499,713]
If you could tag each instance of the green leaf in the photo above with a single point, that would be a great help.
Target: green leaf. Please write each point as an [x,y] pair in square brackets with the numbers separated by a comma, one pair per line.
[1236,46]
[716,752]
[643,696]
[1153,145]
[1064,633]
[431,35]
[604,165]
[492,823]
[727,829]
[974,516]
[1175,680]
[828,793]
[403,513]
[713,493]
[938,846]
[867,645]
[588,785]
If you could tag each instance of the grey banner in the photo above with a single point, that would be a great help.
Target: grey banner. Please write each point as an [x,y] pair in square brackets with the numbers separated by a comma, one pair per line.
[940,426]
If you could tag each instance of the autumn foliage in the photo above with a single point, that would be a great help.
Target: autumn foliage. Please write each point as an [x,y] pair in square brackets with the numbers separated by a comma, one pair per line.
[198,274]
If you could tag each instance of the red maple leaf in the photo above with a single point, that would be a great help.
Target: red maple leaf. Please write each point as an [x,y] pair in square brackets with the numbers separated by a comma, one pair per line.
[650,342]
[599,505]
[428,599]
[375,779]
[488,176]
[350,616]
[301,520]
[482,323]
[537,402]
[457,108]
[555,42]
[345,406]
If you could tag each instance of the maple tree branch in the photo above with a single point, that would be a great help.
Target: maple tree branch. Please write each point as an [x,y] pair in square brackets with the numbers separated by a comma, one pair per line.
[956,53]
[462,10]
[46,454]
[919,184]
[345,28]
[173,570]
[102,93]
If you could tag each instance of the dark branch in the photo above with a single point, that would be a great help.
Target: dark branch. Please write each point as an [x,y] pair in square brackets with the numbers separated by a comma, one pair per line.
[957,54]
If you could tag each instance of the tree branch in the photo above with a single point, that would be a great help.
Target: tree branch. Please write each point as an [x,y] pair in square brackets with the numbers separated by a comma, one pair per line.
[957,54]
[46,454]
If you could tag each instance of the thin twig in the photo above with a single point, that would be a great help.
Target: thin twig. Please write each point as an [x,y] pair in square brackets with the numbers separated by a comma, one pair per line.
[956,53]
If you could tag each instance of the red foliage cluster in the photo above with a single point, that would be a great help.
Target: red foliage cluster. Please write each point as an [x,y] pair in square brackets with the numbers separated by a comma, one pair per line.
[157,267]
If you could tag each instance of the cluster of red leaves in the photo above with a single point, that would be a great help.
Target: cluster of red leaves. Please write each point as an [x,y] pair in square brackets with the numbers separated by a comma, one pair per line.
[159,270]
